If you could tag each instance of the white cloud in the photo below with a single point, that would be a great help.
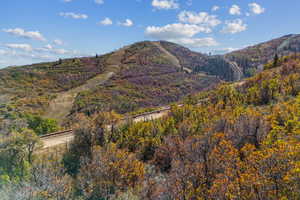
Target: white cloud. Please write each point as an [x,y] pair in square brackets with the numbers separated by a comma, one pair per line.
[34,56]
[58,42]
[61,51]
[234,26]
[57,51]
[13,58]
[68,52]
[215,8]
[42,57]
[49,46]
[50,49]
[3,52]
[229,49]
[196,42]
[73,15]
[165,4]
[99,1]
[2,62]
[181,34]
[202,18]
[106,22]
[256,8]
[189,2]
[224,50]
[68,1]
[35,35]
[235,10]
[24,47]
[127,23]
[20,54]
[175,31]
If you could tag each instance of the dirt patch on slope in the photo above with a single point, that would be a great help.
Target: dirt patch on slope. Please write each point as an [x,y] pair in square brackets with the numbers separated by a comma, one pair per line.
[60,107]
[171,57]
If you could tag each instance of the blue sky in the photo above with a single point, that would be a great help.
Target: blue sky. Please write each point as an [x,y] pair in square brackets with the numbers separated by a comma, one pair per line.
[44,30]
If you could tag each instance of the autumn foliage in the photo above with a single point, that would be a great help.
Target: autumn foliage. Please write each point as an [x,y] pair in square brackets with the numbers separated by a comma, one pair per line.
[239,141]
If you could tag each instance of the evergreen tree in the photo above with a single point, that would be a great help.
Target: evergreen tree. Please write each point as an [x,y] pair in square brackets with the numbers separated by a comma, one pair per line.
[276,59]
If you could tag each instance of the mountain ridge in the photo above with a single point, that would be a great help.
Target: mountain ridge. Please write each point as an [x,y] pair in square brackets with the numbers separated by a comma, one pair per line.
[255,56]
[140,75]
[144,74]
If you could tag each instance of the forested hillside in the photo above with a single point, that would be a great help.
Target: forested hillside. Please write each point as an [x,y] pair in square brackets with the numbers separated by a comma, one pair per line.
[201,63]
[237,141]
[138,76]
[252,58]
[147,78]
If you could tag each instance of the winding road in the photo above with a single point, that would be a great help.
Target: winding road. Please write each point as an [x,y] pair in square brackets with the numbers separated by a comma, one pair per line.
[58,107]
[67,136]
[63,137]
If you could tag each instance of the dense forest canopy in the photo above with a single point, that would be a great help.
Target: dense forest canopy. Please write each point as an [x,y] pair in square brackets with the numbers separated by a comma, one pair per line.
[237,141]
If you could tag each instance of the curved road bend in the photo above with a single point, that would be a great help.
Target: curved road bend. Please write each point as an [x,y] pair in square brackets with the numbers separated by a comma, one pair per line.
[55,139]
[63,137]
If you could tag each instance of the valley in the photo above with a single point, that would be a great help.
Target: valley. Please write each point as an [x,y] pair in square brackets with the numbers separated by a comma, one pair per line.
[149,118]
[149,100]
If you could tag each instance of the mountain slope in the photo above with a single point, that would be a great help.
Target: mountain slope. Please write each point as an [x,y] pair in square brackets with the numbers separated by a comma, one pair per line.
[172,58]
[237,141]
[141,75]
[61,106]
[149,76]
[254,57]
[201,63]
[32,88]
